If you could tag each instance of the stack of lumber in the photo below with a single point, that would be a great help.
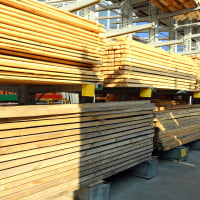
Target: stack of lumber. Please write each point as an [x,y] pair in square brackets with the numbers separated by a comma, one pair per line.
[40,44]
[164,104]
[177,126]
[175,5]
[196,59]
[128,63]
[47,151]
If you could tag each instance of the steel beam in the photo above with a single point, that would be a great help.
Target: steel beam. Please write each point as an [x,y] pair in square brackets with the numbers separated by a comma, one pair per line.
[198,40]
[118,5]
[162,16]
[43,88]
[127,13]
[187,38]
[108,17]
[159,30]
[108,7]
[10,88]
[56,1]
[80,4]
[168,43]
[173,34]
[195,35]
[153,32]
[191,52]
[129,29]
[135,20]
[186,26]
[89,13]
[55,88]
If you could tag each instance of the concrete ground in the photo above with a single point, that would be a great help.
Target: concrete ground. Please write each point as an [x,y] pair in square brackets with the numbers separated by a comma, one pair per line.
[175,181]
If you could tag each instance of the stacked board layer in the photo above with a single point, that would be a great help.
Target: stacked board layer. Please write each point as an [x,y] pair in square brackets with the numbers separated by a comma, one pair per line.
[197,61]
[128,63]
[47,151]
[176,127]
[40,44]
[175,5]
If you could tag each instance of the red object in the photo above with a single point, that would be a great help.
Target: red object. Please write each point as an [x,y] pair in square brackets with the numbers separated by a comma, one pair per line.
[50,96]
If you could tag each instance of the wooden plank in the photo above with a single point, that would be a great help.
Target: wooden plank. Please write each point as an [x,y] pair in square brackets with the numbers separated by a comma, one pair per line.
[91,159]
[63,145]
[56,160]
[42,110]
[20,14]
[75,170]
[62,134]
[36,32]
[42,172]
[23,47]
[34,158]
[129,57]
[74,145]
[51,13]
[177,127]
[85,180]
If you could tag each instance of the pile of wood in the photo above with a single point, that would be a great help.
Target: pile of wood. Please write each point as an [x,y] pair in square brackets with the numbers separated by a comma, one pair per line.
[47,151]
[197,61]
[176,127]
[164,104]
[128,63]
[175,5]
[40,44]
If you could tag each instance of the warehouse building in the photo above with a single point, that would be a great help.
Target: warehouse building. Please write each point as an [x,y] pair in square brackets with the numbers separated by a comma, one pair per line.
[95,94]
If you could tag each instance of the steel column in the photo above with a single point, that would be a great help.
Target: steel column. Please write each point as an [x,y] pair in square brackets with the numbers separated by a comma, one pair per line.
[89,13]
[153,33]
[127,15]
[173,35]
[187,38]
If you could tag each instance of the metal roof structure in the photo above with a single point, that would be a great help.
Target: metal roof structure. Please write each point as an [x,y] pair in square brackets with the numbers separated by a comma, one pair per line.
[170,24]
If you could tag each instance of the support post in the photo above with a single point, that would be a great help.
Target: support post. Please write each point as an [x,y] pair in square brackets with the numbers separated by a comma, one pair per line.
[179,153]
[198,40]
[153,32]
[127,15]
[25,97]
[187,38]
[147,169]
[97,191]
[89,13]
[173,35]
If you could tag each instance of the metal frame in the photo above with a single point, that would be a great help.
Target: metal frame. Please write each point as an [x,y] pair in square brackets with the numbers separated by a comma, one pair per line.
[186,35]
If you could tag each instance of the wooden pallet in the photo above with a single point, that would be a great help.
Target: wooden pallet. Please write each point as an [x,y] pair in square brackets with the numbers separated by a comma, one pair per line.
[42,44]
[176,127]
[47,151]
[128,63]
